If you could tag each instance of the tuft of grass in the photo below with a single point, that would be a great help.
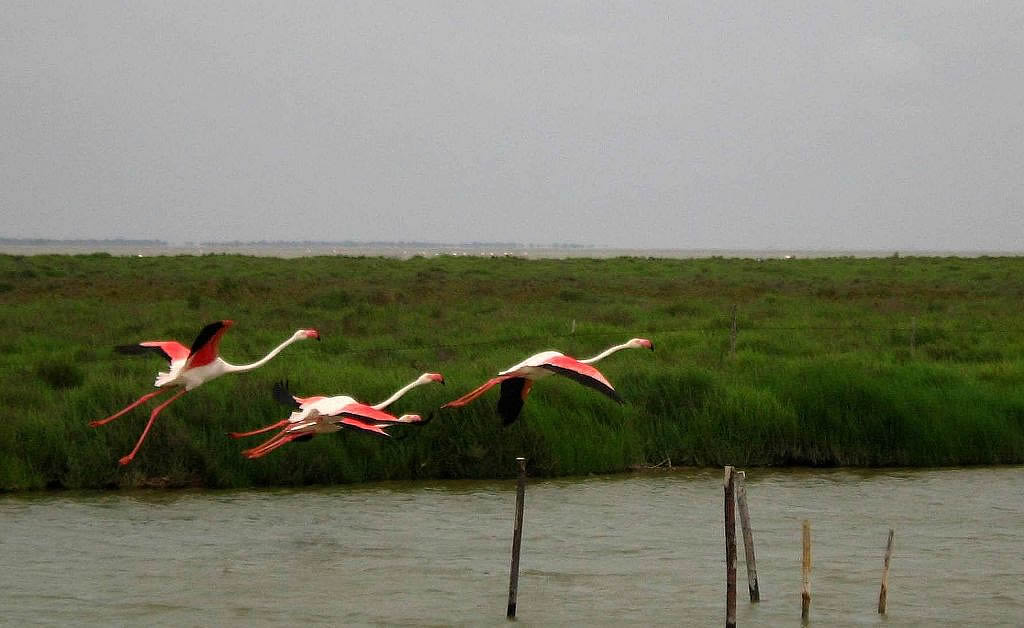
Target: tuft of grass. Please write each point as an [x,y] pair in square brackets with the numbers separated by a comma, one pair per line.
[60,375]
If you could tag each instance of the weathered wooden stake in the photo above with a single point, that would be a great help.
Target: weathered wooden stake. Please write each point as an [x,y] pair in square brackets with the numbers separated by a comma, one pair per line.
[517,540]
[732,333]
[805,588]
[730,549]
[884,593]
[748,536]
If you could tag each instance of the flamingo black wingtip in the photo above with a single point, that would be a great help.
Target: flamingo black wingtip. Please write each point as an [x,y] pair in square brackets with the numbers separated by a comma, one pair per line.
[283,396]
[508,418]
[139,349]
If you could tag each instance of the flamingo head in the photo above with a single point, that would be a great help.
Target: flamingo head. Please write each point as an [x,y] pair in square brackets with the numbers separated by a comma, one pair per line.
[227,323]
[640,343]
[427,378]
[410,418]
[302,334]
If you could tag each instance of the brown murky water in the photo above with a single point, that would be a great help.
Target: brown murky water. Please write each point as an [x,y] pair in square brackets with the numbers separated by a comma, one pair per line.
[633,550]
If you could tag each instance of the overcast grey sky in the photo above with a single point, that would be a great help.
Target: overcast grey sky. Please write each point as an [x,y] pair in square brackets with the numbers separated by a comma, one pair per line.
[808,125]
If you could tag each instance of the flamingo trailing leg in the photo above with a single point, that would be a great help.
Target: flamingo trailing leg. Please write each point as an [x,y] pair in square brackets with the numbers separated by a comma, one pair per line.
[324,415]
[190,368]
[517,381]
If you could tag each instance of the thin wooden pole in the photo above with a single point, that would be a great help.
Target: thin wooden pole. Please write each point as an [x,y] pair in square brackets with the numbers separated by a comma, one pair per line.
[748,536]
[884,593]
[730,549]
[805,589]
[517,541]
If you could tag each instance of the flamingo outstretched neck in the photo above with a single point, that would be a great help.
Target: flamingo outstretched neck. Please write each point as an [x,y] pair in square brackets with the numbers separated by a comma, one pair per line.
[301,334]
[635,343]
[426,378]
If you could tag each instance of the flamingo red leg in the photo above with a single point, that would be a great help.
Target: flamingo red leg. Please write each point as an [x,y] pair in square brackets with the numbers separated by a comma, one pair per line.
[473,394]
[272,426]
[270,445]
[136,403]
[273,439]
[152,417]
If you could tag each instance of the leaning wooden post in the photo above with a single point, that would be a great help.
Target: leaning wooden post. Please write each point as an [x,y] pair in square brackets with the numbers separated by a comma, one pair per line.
[730,549]
[517,540]
[884,593]
[805,589]
[748,536]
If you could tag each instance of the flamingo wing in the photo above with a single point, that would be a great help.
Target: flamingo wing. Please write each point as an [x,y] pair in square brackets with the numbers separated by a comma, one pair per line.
[168,349]
[582,373]
[364,413]
[358,424]
[513,393]
[205,347]
[301,427]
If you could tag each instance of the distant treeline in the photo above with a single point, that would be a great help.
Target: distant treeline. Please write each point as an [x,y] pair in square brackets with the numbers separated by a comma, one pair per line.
[289,243]
[82,242]
[393,243]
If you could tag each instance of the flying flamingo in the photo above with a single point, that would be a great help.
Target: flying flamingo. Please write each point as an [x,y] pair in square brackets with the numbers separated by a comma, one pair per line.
[517,381]
[324,415]
[190,368]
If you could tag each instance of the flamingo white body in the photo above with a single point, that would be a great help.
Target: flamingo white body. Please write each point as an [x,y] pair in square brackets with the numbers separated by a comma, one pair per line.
[190,368]
[325,415]
[517,381]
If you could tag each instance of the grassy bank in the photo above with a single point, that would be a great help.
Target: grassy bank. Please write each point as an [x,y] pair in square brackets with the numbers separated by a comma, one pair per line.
[896,361]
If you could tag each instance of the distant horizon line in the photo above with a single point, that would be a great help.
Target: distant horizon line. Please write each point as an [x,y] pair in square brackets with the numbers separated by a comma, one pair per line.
[185,243]
[152,242]
[482,245]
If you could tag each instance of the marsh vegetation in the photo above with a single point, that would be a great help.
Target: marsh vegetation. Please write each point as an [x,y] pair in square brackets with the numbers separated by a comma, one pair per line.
[841,361]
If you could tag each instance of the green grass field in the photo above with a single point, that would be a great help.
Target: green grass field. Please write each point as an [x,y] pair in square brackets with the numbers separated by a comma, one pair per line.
[841,361]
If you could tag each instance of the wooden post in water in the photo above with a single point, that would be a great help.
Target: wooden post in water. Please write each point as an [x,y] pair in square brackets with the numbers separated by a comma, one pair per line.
[748,536]
[884,593]
[730,549]
[805,588]
[517,541]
